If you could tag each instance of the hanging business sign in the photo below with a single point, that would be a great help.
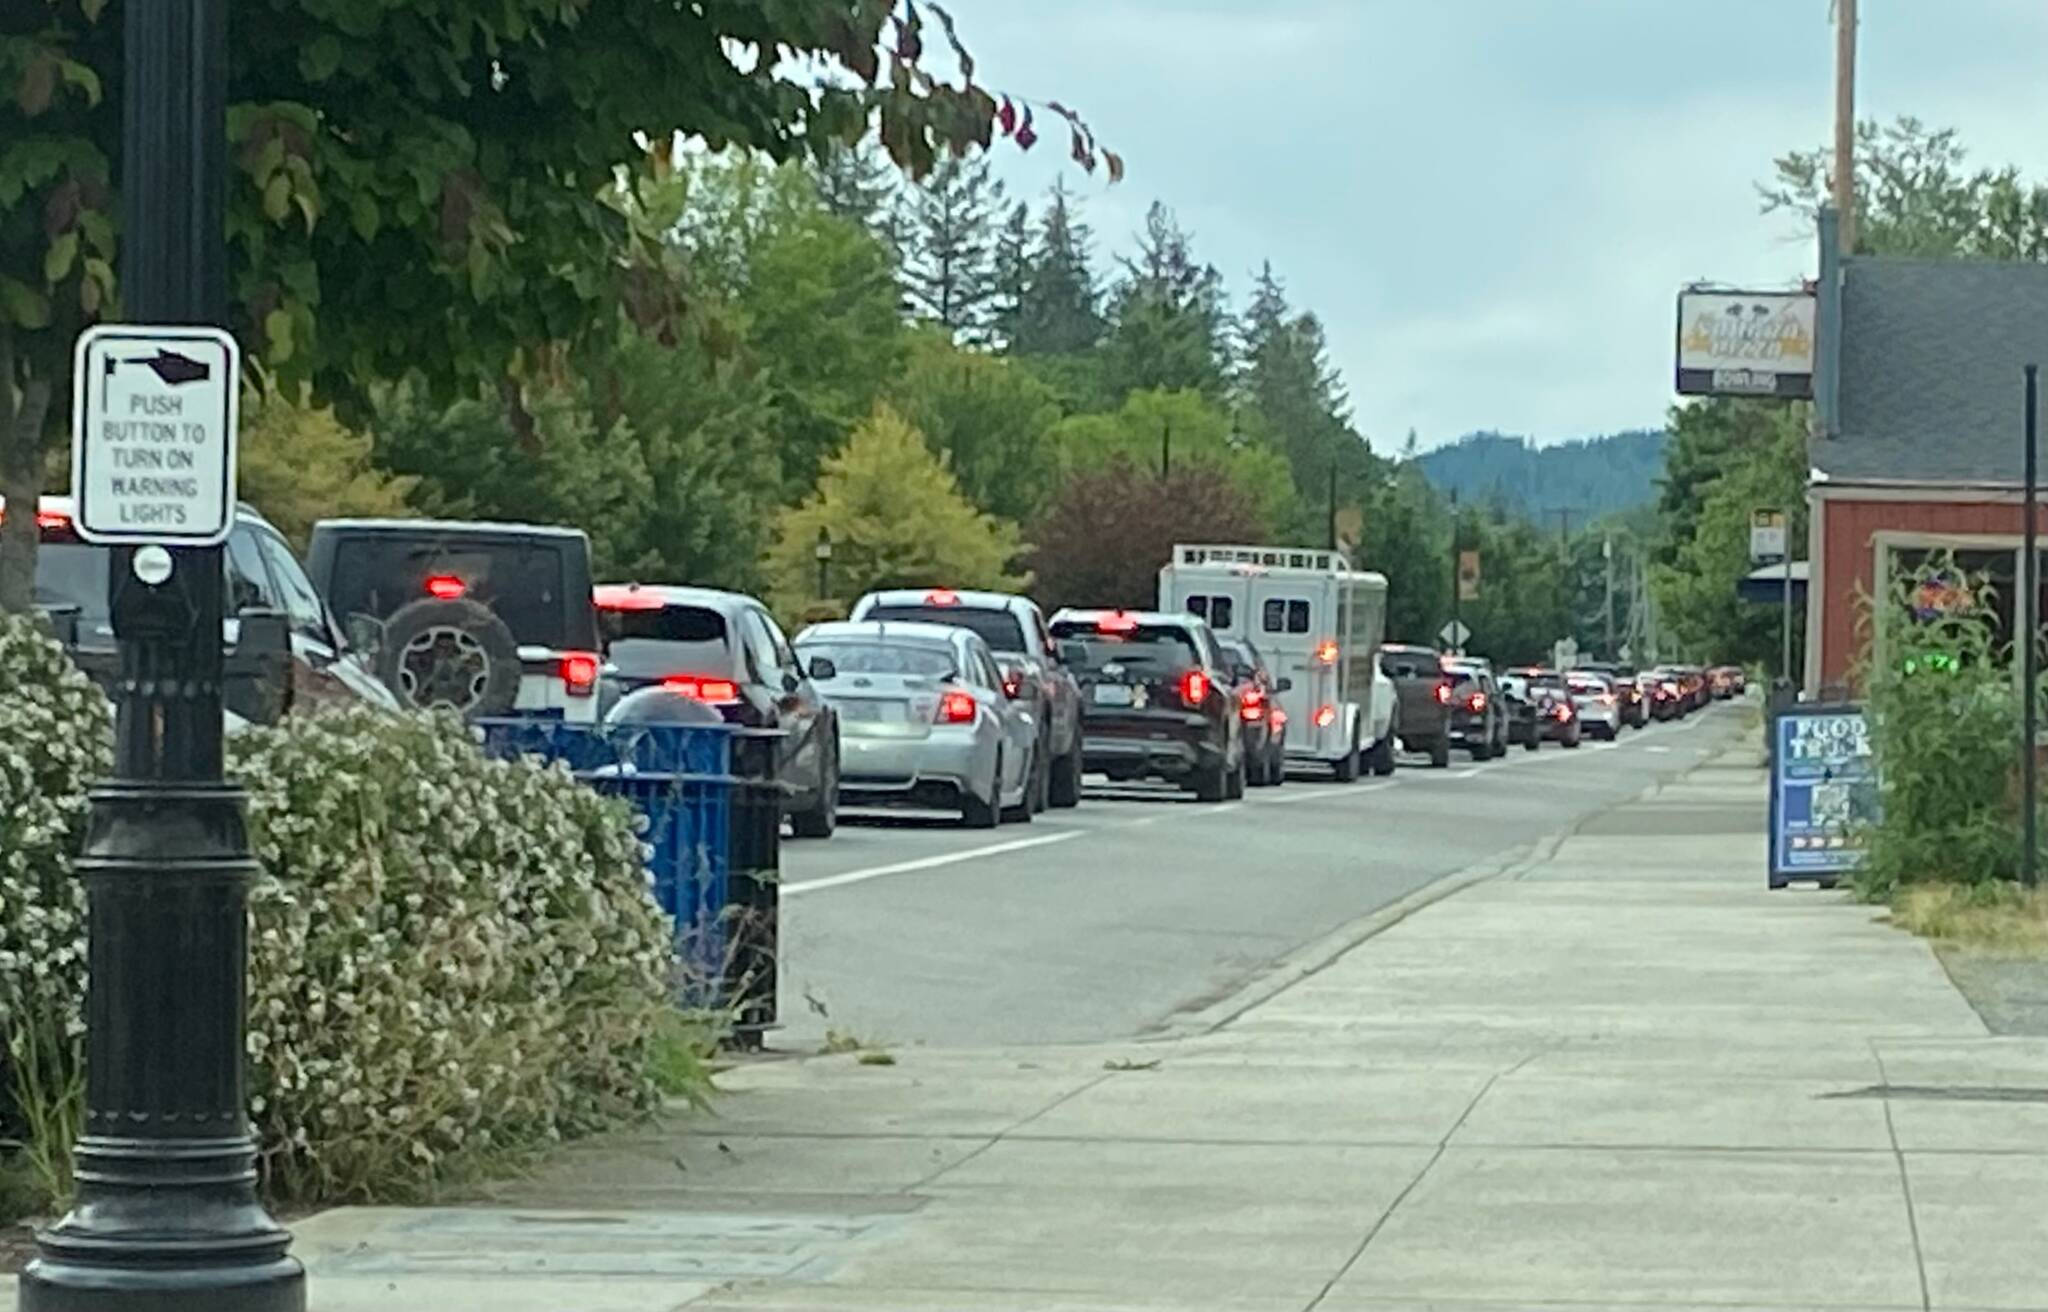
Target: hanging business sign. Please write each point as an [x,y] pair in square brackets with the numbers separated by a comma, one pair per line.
[1745,343]
[1468,576]
[1766,536]
[1824,793]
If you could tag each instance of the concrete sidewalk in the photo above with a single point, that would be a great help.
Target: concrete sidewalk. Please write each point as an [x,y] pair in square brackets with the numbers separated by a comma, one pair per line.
[1623,1074]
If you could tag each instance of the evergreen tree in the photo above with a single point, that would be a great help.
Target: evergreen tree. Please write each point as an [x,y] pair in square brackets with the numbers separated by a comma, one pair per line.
[1170,328]
[1013,275]
[1060,310]
[950,268]
[1289,384]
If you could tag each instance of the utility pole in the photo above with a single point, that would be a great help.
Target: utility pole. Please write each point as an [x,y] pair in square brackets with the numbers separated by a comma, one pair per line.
[1607,610]
[1165,450]
[2030,642]
[167,1218]
[1845,122]
[1333,505]
[1457,582]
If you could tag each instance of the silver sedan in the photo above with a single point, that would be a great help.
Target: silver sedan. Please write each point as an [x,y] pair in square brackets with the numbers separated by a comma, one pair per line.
[1597,702]
[924,719]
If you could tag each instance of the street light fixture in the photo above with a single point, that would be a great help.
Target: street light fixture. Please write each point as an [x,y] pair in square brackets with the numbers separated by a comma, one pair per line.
[823,552]
[167,1215]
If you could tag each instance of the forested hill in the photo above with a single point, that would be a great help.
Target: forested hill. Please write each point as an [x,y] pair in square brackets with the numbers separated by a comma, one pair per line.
[1589,476]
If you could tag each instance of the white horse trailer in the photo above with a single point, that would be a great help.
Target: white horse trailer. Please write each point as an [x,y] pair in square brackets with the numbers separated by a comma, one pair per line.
[1316,620]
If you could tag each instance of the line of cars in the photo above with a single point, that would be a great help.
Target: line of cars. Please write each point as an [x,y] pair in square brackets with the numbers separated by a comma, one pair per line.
[1258,662]
[1461,703]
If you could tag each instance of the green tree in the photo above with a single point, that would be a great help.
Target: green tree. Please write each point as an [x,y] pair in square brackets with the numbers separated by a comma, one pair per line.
[419,193]
[1168,325]
[1163,431]
[859,184]
[1059,312]
[897,518]
[298,463]
[1290,386]
[989,418]
[950,268]
[1013,275]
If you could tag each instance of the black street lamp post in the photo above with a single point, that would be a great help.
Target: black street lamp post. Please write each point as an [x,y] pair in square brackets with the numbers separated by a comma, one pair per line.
[823,553]
[167,1217]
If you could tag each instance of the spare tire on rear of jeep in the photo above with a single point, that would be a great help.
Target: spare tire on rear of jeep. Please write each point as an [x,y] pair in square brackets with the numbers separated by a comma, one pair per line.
[454,654]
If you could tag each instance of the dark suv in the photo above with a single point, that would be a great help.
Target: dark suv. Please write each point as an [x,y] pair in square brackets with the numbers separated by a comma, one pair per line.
[726,651]
[1265,722]
[479,618]
[285,653]
[1424,687]
[1158,701]
[1015,630]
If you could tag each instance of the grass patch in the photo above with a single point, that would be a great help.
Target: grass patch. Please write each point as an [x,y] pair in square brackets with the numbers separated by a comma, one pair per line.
[1999,916]
[680,1058]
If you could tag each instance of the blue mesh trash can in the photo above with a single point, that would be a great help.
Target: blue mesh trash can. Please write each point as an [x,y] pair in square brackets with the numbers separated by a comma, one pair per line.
[712,809]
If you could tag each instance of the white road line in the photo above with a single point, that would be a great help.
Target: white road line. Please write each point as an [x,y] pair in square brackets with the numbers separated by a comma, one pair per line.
[1311,793]
[929,862]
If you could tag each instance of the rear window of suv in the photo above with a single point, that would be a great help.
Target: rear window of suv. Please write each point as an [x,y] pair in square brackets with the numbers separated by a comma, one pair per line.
[1151,646]
[667,640]
[524,582]
[1411,664]
[998,628]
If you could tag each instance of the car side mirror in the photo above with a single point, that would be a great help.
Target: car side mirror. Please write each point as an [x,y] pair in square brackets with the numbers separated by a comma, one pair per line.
[790,683]
[822,669]
[365,634]
[1073,653]
[1283,684]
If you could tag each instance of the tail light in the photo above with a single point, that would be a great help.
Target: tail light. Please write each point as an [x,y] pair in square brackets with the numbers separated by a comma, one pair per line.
[579,672]
[1476,702]
[1252,704]
[1670,690]
[942,597]
[52,519]
[1325,716]
[1563,712]
[956,707]
[446,587]
[1326,651]
[1443,694]
[1117,623]
[1605,699]
[1279,718]
[1013,683]
[712,692]
[1194,688]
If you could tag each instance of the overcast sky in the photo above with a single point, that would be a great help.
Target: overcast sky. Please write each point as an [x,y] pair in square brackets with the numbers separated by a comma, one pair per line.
[1492,203]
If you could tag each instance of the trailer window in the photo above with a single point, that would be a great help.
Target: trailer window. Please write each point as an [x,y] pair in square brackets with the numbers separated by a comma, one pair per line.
[1221,612]
[1286,615]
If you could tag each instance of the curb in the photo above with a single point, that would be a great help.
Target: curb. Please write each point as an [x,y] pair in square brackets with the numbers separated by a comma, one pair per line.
[1307,961]
[1311,959]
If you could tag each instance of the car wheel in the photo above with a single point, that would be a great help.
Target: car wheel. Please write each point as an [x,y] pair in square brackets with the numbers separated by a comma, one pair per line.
[823,818]
[1574,736]
[1041,778]
[1382,757]
[1440,753]
[1234,783]
[450,655]
[982,811]
[1065,785]
[1021,813]
[1534,742]
[1346,768]
[1212,783]
[1276,769]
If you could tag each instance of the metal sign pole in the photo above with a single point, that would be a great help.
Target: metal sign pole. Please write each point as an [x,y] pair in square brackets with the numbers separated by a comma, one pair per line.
[167,1215]
[1785,624]
[2030,640]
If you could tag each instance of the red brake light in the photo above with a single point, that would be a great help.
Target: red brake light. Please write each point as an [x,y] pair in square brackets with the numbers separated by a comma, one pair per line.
[1194,687]
[1252,704]
[712,692]
[956,708]
[52,519]
[1476,702]
[579,672]
[1117,623]
[1443,694]
[1013,684]
[1325,716]
[1279,718]
[942,597]
[1326,651]
[446,587]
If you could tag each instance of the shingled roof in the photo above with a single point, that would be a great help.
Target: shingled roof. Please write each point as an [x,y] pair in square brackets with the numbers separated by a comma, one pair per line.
[1931,384]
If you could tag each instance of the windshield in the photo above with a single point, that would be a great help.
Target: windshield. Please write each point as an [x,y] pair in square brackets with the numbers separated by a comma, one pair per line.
[525,582]
[921,659]
[998,628]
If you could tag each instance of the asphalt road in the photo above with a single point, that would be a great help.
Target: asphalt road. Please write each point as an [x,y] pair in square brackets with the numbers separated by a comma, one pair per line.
[1107,920]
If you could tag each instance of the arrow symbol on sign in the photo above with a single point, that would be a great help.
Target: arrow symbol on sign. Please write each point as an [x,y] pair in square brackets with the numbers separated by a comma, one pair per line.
[173,369]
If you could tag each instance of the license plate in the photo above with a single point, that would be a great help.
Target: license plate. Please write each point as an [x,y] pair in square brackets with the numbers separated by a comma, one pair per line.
[1112,694]
[871,712]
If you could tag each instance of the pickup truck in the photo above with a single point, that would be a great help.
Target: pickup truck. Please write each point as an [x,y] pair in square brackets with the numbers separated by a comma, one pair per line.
[1424,693]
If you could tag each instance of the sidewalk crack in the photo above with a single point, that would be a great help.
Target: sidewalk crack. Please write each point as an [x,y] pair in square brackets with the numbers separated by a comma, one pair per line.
[1905,1181]
[1443,1145]
[1005,1133]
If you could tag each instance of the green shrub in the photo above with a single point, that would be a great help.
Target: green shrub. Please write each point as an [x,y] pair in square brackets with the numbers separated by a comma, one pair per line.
[1944,719]
[453,960]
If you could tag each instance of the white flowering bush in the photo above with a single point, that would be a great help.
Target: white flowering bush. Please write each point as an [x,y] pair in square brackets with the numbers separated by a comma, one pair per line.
[451,957]
[453,960]
[55,740]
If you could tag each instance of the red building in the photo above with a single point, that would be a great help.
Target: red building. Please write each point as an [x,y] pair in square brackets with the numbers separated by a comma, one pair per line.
[1919,408]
